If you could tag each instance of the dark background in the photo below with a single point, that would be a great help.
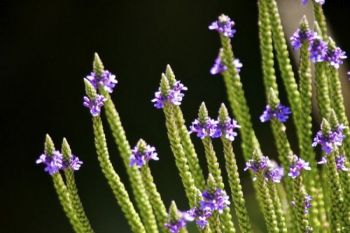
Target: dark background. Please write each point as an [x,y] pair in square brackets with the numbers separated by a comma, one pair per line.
[46,48]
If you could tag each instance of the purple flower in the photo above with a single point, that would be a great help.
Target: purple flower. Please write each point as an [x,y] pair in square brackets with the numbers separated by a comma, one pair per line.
[307,204]
[274,173]
[321,2]
[200,215]
[177,225]
[204,129]
[226,129]
[297,166]
[323,160]
[174,96]
[94,104]
[219,67]
[140,158]
[106,80]
[53,163]
[280,113]
[74,163]
[335,57]
[329,141]
[300,36]
[214,201]
[257,165]
[224,25]
[348,73]
[340,162]
[318,50]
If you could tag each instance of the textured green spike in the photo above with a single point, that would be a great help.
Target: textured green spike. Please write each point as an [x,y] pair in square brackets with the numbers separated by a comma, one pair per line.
[186,142]
[266,48]
[211,184]
[299,198]
[61,190]
[113,178]
[97,65]
[153,195]
[284,62]
[320,19]
[278,207]
[49,145]
[273,99]
[233,178]
[175,215]
[141,145]
[73,190]
[90,90]
[164,85]
[325,126]
[333,121]
[203,115]
[170,75]
[312,178]
[178,152]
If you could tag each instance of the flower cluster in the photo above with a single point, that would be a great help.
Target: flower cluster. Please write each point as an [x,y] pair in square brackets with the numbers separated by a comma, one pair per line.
[269,168]
[215,128]
[331,140]
[307,204]
[217,200]
[297,166]
[224,25]
[335,57]
[321,2]
[139,157]
[212,201]
[95,104]
[106,80]
[176,225]
[219,67]
[301,36]
[340,162]
[55,162]
[174,96]
[280,113]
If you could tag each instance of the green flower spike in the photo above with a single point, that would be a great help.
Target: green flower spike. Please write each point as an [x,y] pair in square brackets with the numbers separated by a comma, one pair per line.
[123,145]
[300,195]
[62,191]
[176,146]
[215,224]
[338,100]
[265,198]
[337,215]
[112,177]
[321,83]
[284,62]
[152,192]
[233,178]
[186,141]
[73,190]
[175,215]
[214,168]
[236,97]
[312,178]
[320,19]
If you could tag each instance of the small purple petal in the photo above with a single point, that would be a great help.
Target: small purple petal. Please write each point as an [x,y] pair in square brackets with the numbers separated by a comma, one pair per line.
[106,80]
[94,104]
[297,166]
[140,158]
[280,113]
[53,163]
[224,25]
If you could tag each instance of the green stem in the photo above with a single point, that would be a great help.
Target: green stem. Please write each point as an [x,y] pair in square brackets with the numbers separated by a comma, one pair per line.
[278,207]
[134,175]
[65,200]
[154,197]
[236,188]
[113,179]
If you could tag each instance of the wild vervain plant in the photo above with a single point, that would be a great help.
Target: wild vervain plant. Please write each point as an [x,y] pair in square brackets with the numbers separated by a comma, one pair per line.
[297,193]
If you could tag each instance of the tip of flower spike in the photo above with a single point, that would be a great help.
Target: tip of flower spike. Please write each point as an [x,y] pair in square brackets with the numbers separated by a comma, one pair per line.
[49,145]
[211,184]
[304,24]
[224,25]
[333,120]
[89,89]
[223,113]
[272,98]
[173,211]
[66,151]
[203,113]
[325,126]
[170,75]
[142,153]
[97,64]
[164,85]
